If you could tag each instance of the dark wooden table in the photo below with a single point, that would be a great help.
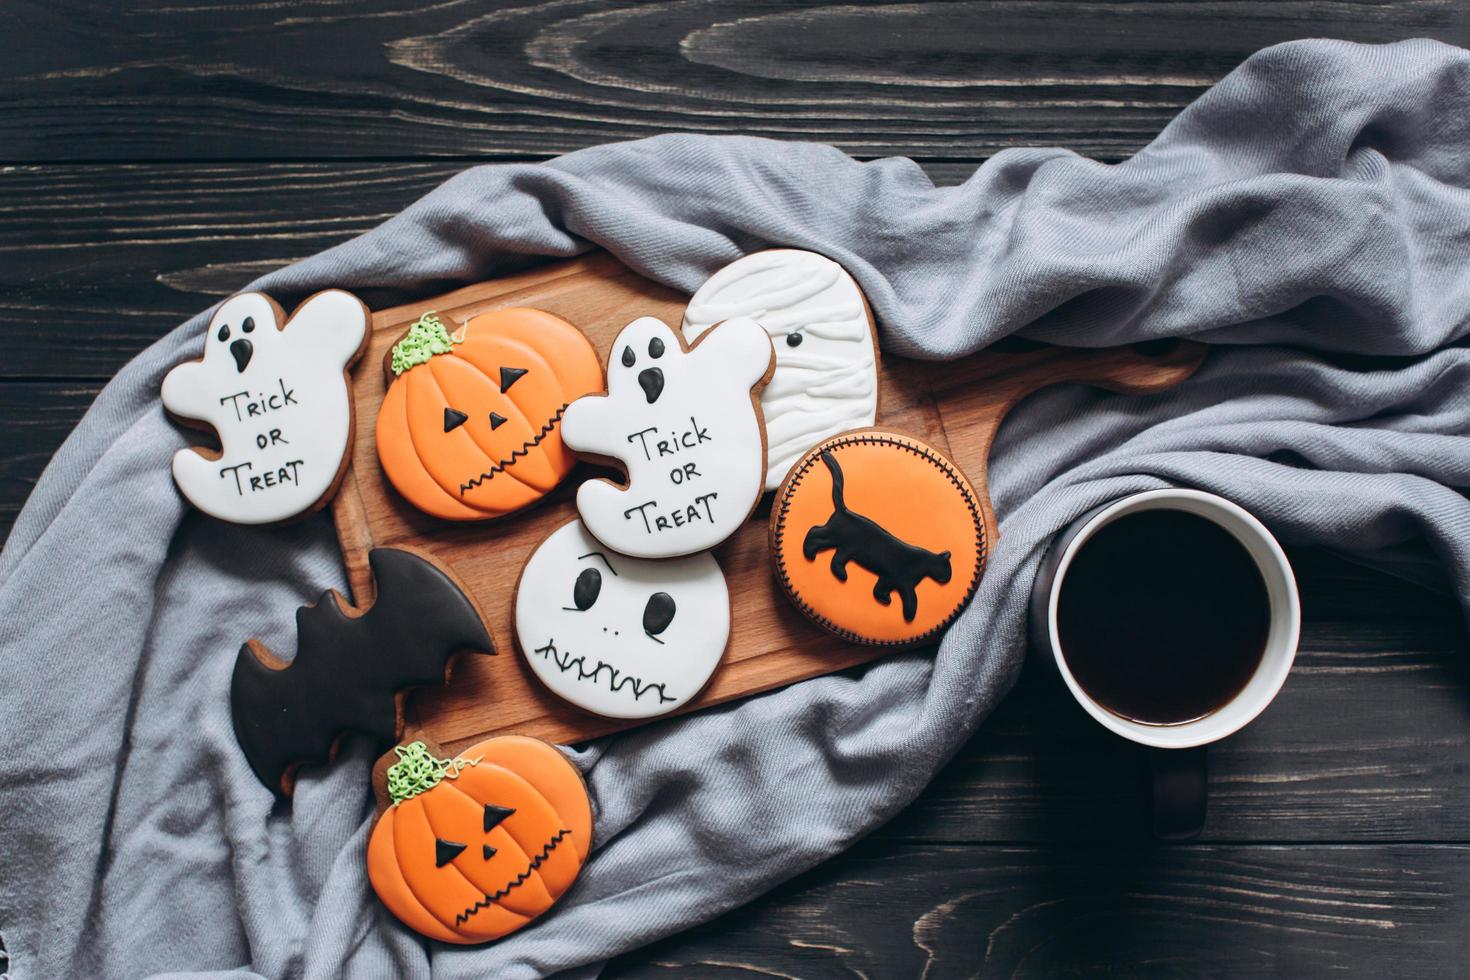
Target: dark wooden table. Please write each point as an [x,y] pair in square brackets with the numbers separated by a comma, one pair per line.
[159,155]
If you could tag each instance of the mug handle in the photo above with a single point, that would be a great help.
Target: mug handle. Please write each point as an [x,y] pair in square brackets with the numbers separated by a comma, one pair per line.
[1177,792]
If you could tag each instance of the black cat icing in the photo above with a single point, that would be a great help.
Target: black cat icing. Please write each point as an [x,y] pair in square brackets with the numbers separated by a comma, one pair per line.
[900,566]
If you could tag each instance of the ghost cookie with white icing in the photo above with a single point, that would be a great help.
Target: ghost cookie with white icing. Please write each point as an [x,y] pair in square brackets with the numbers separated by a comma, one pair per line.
[279,399]
[826,378]
[685,424]
[617,636]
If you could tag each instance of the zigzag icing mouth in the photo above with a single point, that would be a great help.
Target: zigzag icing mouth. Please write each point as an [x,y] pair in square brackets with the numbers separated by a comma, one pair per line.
[519,880]
[510,460]
[616,680]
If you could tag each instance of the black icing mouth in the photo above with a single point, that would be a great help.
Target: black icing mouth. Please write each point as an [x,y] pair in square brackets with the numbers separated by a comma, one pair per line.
[242,350]
[515,882]
[651,380]
[510,460]
[602,672]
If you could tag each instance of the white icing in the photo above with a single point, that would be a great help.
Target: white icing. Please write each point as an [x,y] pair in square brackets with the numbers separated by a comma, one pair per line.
[283,415]
[601,658]
[694,455]
[829,383]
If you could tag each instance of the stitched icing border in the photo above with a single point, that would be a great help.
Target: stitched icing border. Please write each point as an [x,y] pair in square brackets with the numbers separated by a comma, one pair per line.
[909,444]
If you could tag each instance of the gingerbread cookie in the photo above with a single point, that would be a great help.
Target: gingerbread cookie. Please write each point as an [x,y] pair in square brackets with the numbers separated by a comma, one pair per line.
[351,667]
[826,378]
[685,424]
[878,538]
[470,427]
[617,636]
[280,401]
[471,849]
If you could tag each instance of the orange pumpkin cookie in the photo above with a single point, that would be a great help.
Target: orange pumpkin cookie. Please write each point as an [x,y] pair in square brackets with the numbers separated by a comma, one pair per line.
[470,427]
[878,538]
[473,848]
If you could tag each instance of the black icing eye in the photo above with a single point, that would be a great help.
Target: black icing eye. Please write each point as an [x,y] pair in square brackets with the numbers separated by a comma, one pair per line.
[493,815]
[588,585]
[628,357]
[224,333]
[509,376]
[658,613]
[656,348]
[446,851]
[794,340]
[249,325]
[454,418]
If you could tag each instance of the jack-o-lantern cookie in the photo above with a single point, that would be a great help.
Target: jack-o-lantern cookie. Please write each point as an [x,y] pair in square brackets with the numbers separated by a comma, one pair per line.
[826,378]
[470,427]
[279,399]
[685,424]
[471,849]
[878,538]
[620,637]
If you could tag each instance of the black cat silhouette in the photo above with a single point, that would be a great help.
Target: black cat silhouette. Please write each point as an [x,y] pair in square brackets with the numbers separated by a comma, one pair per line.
[900,566]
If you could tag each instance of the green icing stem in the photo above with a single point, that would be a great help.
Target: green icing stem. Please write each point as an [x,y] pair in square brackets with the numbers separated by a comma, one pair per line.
[426,337]
[416,771]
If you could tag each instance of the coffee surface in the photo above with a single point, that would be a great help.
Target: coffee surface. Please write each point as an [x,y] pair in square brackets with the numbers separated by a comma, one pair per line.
[1163,617]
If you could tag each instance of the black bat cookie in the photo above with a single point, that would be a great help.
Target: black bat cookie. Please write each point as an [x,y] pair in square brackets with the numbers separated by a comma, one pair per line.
[351,667]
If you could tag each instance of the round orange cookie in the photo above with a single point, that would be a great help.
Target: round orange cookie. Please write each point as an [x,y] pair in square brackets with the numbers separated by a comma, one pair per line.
[475,847]
[470,427]
[878,538]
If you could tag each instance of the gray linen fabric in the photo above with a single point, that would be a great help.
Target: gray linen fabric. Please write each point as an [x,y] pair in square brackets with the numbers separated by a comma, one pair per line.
[1311,208]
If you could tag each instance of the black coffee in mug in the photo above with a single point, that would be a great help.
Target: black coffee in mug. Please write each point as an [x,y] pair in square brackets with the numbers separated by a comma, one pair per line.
[1162,617]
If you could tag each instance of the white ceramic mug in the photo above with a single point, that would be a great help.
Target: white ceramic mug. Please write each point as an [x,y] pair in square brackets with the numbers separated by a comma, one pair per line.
[1179,778]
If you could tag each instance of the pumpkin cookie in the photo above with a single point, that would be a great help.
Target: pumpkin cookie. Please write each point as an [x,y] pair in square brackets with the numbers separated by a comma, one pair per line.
[471,849]
[878,538]
[470,427]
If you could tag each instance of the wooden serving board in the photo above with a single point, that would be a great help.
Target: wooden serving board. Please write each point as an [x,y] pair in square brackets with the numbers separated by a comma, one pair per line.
[955,406]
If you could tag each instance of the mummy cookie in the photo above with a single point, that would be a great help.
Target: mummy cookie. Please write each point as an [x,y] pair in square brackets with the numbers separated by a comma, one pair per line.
[617,636]
[279,399]
[470,428]
[826,378]
[878,538]
[351,667]
[685,424]
[471,848]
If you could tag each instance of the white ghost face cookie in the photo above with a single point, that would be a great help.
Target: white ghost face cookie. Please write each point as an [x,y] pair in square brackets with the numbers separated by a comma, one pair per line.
[279,399]
[620,637]
[826,378]
[685,424]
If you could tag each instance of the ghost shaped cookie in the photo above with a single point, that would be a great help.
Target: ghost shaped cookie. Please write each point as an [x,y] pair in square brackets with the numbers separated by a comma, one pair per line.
[617,636]
[826,378]
[279,399]
[685,424]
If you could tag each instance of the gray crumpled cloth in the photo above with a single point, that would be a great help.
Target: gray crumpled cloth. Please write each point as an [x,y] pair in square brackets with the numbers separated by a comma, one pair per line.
[1311,208]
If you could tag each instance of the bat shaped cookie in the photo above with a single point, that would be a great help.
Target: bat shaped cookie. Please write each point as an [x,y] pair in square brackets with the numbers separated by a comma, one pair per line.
[351,667]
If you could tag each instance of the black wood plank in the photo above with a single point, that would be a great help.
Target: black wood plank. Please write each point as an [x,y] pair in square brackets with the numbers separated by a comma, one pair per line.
[98,262]
[394,79]
[891,910]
